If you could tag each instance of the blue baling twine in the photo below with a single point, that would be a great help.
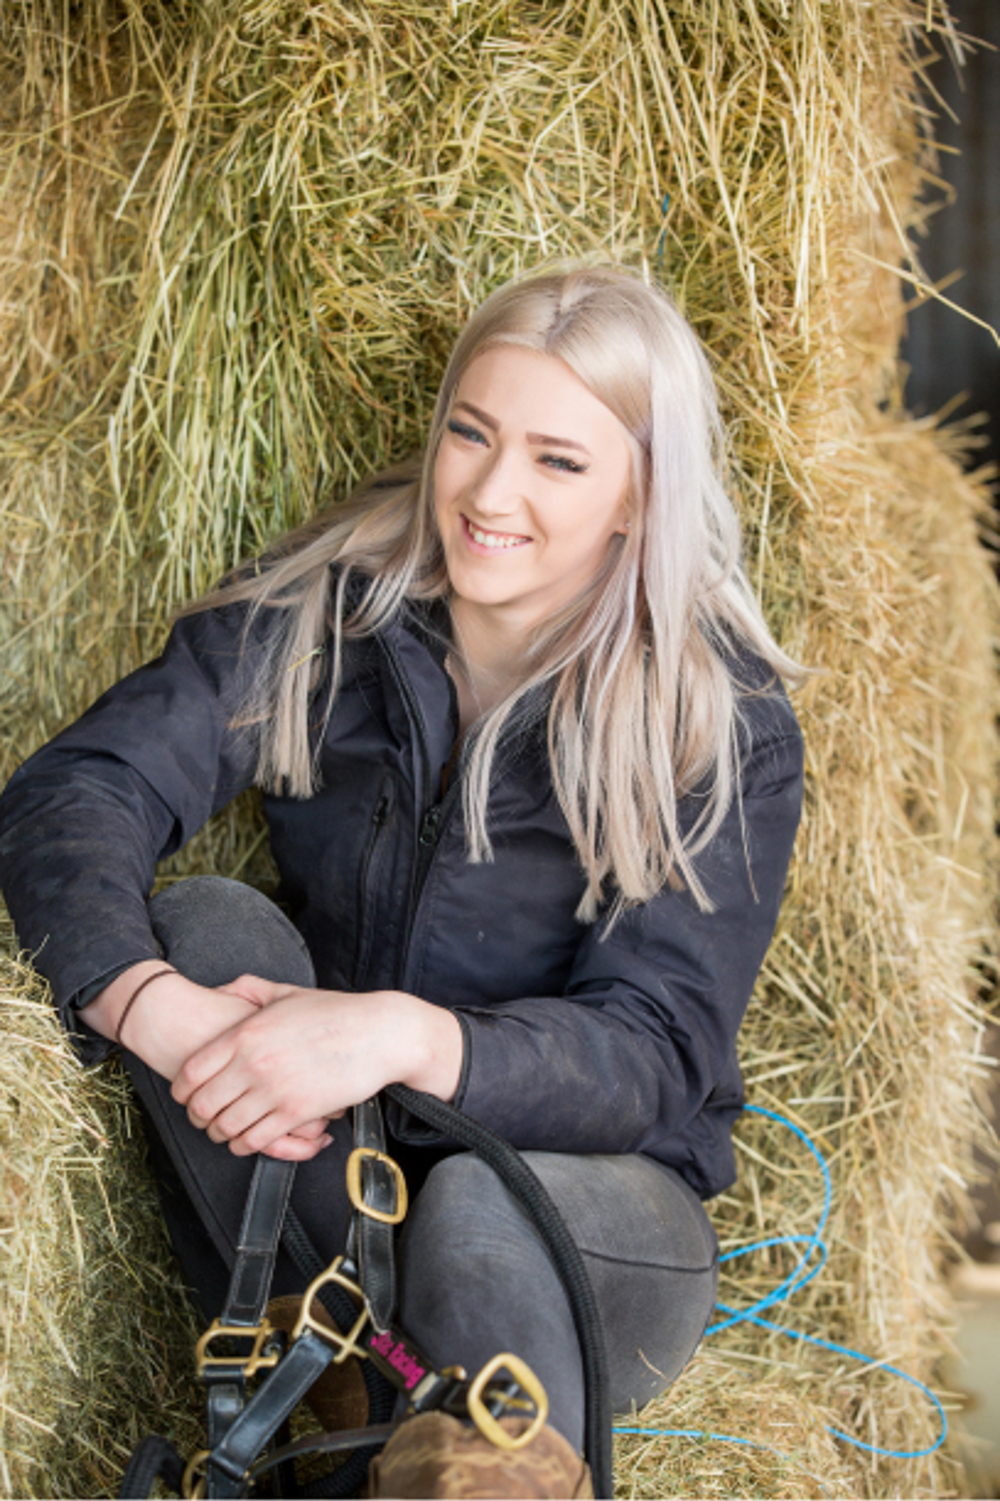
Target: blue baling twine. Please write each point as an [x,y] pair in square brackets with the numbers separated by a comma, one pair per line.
[798,1278]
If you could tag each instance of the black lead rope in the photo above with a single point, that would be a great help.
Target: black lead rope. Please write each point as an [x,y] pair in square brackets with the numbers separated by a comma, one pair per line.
[154,1458]
[516,1176]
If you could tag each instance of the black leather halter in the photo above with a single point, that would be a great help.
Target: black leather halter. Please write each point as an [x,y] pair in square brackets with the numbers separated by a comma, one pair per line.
[358,1292]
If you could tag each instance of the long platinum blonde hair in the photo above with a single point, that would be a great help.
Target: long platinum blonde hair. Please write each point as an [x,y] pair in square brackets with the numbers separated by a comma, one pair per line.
[640,673]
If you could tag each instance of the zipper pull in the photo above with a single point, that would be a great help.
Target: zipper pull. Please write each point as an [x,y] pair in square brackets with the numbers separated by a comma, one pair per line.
[429,826]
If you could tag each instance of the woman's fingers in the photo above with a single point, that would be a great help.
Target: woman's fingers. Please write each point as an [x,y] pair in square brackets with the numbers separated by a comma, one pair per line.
[267,1133]
[311,1129]
[292,1149]
[306,1055]
[252,988]
[196,1072]
[270,1133]
[231,1122]
[239,1117]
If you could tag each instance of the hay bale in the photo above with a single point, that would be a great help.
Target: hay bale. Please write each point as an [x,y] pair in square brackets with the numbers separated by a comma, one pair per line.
[235,244]
[785,1450]
[93,1333]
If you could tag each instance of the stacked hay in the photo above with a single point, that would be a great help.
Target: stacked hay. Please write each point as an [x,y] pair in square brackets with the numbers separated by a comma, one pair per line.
[236,239]
[94,1334]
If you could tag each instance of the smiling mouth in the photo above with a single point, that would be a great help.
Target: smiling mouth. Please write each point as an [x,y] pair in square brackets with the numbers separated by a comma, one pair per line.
[496,541]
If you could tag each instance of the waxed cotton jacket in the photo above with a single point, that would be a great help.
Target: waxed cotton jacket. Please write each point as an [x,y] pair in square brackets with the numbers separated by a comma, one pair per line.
[575,1040]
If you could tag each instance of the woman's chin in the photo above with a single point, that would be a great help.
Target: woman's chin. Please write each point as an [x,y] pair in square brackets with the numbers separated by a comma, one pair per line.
[486,582]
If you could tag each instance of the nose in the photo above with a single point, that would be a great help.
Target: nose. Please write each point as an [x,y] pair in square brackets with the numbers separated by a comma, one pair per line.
[499,486]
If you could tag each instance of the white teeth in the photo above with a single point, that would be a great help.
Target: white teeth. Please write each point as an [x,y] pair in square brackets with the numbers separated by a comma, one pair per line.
[493,539]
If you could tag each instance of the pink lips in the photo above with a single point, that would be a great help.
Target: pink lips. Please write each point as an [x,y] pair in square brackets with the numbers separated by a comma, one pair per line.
[484,550]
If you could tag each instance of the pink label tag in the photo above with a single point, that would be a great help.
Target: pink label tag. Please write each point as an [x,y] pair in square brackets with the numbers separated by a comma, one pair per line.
[395,1352]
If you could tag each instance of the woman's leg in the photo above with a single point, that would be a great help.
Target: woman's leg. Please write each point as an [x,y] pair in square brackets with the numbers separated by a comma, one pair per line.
[475,1278]
[212,930]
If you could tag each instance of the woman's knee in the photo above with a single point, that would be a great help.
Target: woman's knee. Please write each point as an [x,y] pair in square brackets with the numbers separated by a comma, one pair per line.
[213,929]
[652,1257]
[646,1241]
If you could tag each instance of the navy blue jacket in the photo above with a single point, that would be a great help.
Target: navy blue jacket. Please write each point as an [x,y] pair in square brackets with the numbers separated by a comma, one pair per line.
[574,1042]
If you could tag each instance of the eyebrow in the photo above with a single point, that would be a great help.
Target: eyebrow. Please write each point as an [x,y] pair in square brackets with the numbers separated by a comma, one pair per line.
[484,417]
[555,442]
[541,438]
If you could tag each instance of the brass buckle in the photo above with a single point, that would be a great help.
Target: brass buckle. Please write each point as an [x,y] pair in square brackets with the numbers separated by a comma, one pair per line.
[345,1344]
[194,1486]
[484,1420]
[354,1186]
[254,1362]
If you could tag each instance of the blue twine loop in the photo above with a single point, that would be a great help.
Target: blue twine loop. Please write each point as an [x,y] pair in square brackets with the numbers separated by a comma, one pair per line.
[798,1278]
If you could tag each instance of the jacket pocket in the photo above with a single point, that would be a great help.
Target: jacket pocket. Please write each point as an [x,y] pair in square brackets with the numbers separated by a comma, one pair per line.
[368,878]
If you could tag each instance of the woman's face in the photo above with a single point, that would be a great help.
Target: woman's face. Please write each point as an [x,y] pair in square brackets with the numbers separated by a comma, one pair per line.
[530,484]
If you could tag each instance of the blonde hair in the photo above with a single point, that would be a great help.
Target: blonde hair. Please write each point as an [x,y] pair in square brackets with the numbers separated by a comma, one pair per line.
[639,672]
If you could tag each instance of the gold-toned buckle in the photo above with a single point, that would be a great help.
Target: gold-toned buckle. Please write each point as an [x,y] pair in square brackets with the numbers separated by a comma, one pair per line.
[345,1344]
[194,1486]
[354,1186]
[253,1363]
[484,1420]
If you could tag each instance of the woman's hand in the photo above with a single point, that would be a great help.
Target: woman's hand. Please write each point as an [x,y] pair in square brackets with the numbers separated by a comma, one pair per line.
[174,1017]
[304,1055]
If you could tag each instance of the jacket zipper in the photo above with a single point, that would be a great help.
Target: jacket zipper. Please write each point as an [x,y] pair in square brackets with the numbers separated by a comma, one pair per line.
[366,925]
[433,818]
[431,828]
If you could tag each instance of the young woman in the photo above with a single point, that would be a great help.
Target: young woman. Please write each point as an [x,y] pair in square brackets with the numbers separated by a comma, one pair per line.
[532,783]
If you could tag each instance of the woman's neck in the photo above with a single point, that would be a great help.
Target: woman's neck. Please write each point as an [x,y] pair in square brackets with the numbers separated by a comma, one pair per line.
[488,662]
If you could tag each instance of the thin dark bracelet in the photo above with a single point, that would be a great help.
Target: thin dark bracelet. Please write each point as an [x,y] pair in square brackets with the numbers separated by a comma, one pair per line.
[137,992]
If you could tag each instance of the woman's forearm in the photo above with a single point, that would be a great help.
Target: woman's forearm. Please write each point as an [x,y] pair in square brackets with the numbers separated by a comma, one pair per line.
[286,1058]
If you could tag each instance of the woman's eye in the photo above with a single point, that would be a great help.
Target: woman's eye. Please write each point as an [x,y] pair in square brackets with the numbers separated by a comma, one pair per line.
[564,465]
[462,430]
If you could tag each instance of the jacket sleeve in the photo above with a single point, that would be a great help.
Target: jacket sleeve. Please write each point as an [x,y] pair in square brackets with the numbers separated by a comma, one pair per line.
[638,1054]
[84,820]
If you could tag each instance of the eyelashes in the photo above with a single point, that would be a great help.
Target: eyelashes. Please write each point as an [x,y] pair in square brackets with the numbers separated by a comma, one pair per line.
[556,461]
[461,430]
[564,465]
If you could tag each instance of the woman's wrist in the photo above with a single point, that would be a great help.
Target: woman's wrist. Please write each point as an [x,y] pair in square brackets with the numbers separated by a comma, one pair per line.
[162,1017]
[432,1046]
[144,983]
[107,1012]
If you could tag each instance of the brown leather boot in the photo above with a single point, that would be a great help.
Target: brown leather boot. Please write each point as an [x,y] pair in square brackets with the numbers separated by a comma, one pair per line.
[435,1456]
[339,1399]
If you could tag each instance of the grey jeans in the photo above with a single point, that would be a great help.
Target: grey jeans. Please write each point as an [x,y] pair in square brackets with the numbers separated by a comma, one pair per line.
[474,1277]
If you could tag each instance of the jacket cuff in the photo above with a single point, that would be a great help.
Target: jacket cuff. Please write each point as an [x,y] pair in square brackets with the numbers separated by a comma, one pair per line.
[91,991]
[90,1047]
